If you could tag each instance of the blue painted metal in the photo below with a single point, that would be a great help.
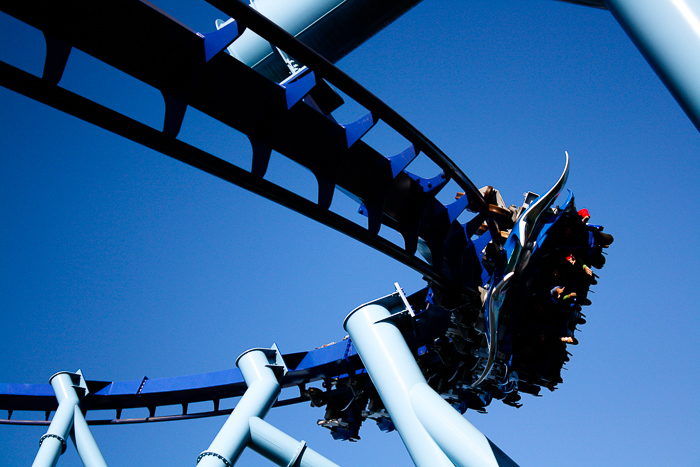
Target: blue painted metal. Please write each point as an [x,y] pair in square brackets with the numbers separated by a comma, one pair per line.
[401,160]
[356,130]
[317,364]
[216,41]
[456,208]
[298,88]
[667,33]
[546,226]
[430,185]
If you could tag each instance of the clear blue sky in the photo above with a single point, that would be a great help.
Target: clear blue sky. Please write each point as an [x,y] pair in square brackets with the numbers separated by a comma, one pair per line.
[124,263]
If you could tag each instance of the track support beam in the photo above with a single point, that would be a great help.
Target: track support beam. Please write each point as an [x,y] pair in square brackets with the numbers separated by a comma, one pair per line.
[69,419]
[281,448]
[667,33]
[434,433]
[262,370]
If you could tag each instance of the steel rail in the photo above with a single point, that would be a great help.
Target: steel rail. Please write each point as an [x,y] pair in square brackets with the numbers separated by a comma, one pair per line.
[161,418]
[253,20]
[73,104]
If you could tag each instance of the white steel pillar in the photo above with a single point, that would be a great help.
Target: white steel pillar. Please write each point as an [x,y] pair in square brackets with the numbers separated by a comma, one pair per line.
[262,371]
[67,416]
[667,33]
[263,389]
[434,433]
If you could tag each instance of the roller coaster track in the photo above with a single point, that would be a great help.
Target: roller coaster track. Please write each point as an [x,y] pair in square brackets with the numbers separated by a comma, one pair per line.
[337,359]
[294,119]
[468,336]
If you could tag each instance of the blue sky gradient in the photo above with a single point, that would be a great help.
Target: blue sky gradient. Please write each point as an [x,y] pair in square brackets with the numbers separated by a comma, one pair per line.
[123,262]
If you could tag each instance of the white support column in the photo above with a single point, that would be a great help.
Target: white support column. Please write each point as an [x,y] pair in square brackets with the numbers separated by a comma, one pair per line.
[67,416]
[53,443]
[281,448]
[262,370]
[263,390]
[667,33]
[84,442]
[394,373]
[434,433]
